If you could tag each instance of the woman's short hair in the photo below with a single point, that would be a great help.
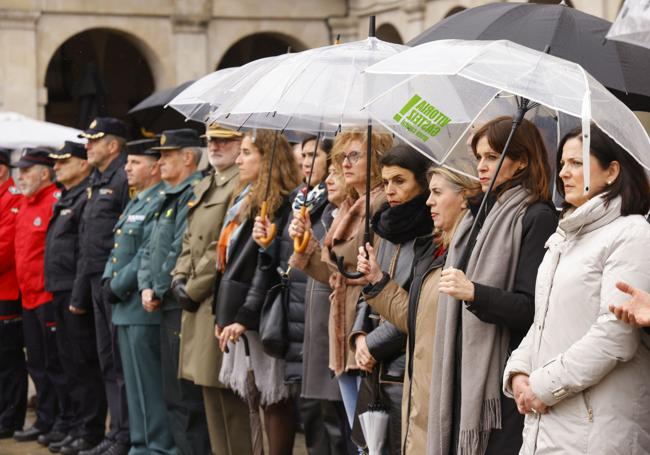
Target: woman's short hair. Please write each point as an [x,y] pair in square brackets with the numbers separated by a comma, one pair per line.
[323,144]
[407,157]
[528,146]
[632,182]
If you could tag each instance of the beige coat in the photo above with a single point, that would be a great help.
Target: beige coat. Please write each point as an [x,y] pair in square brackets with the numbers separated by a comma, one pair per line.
[393,304]
[200,358]
[316,263]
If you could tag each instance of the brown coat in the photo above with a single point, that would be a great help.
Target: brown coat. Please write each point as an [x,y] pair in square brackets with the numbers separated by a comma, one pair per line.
[344,239]
[200,358]
[393,304]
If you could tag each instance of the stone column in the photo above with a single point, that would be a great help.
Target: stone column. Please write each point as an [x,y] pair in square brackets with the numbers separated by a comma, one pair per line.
[414,10]
[191,47]
[19,91]
[347,27]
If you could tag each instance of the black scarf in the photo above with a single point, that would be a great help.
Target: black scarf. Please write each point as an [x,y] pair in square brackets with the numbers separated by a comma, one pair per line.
[404,222]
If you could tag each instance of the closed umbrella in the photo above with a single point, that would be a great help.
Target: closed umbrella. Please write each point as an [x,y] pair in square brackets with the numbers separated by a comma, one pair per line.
[632,24]
[253,401]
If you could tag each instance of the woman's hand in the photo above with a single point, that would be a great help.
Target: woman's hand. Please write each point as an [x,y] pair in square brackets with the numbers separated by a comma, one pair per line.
[369,265]
[635,311]
[526,400]
[299,225]
[261,230]
[362,355]
[454,283]
[232,333]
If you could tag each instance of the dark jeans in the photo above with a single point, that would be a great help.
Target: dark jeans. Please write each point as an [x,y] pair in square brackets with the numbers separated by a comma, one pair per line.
[77,347]
[111,364]
[13,374]
[53,410]
[327,431]
[183,398]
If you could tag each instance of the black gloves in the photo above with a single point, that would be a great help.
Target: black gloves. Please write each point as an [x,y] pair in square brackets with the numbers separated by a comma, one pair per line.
[107,293]
[184,300]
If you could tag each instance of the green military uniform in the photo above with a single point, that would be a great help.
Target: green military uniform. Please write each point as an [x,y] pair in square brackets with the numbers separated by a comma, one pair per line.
[183,399]
[138,331]
[200,357]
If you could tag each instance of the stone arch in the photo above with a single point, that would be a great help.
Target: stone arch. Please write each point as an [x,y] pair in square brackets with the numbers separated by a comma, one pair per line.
[97,72]
[388,32]
[454,10]
[258,45]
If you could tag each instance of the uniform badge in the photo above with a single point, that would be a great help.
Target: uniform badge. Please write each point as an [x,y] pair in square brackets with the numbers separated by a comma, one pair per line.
[93,124]
[89,192]
[103,191]
[38,221]
[169,213]
[191,204]
[14,190]
[163,139]
[57,194]
[65,212]
[14,209]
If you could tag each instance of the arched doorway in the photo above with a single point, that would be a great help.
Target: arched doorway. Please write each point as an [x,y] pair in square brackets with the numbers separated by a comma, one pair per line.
[388,32]
[454,10]
[258,45]
[97,72]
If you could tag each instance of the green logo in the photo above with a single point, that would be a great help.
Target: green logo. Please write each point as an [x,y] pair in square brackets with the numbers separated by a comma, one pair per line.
[421,118]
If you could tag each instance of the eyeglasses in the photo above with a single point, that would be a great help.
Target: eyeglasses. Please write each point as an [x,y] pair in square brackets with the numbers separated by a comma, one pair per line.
[353,157]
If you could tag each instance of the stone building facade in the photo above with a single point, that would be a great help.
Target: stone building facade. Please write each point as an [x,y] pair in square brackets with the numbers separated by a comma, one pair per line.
[56,56]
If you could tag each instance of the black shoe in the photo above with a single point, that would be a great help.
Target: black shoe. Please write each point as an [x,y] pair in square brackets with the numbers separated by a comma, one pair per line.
[117,449]
[30,434]
[80,445]
[48,438]
[98,449]
[6,433]
[55,447]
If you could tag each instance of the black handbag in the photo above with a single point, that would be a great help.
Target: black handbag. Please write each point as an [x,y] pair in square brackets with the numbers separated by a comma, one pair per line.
[274,319]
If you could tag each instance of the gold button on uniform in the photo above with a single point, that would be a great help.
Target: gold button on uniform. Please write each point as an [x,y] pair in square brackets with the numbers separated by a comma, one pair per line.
[116,245]
[114,260]
[119,231]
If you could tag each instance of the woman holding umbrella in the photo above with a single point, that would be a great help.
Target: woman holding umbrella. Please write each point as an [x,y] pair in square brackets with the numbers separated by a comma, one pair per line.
[246,274]
[342,239]
[484,312]
[580,375]
[414,312]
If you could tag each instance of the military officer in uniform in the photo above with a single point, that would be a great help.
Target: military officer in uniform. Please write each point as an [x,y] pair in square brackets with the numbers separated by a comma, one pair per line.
[193,286]
[138,330]
[13,371]
[107,195]
[53,409]
[75,334]
[180,154]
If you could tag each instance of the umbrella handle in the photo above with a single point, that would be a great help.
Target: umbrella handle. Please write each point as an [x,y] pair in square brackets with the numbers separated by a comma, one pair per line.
[300,244]
[266,241]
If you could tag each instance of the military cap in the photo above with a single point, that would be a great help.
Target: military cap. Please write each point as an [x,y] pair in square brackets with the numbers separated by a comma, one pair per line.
[143,147]
[5,156]
[103,126]
[214,131]
[70,149]
[178,139]
[37,155]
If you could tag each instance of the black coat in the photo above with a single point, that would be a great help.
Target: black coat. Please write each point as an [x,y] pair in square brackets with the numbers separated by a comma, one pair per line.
[249,274]
[62,241]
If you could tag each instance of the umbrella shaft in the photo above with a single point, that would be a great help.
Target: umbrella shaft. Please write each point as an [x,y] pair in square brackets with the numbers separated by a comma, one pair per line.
[311,167]
[268,178]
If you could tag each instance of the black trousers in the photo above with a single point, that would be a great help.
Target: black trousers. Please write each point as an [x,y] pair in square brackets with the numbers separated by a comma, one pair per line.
[111,364]
[327,431]
[77,347]
[53,410]
[184,399]
[13,374]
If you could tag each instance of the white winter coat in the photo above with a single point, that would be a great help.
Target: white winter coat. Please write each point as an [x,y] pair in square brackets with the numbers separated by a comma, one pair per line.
[591,369]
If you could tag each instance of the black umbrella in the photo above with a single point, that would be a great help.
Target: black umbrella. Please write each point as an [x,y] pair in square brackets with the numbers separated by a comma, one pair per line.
[253,400]
[151,114]
[567,32]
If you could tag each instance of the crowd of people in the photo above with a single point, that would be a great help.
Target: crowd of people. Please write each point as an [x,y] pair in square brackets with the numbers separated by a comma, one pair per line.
[183,301]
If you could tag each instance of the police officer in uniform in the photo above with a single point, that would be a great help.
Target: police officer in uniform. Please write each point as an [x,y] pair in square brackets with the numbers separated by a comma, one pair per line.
[138,330]
[53,409]
[193,286]
[75,334]
[180,154]
[13,371]
[107,195]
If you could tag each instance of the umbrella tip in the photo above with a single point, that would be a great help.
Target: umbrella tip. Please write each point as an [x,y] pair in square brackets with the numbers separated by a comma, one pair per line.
[563,3]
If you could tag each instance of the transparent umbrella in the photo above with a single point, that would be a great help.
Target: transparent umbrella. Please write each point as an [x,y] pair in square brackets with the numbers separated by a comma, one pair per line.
[632,24]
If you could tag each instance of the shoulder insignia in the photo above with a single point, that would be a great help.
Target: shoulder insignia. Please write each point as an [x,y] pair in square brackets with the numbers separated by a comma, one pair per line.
[57,194]
[132,192]
[89,192]
[191,204]
[14,190]
[38,221]
[169,213]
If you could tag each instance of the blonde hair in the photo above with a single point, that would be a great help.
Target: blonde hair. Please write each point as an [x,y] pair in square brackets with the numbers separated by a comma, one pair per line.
[381,143]
[284,176]
[458,183]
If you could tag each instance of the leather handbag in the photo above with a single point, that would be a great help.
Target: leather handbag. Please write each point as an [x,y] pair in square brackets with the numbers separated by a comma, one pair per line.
[274,319]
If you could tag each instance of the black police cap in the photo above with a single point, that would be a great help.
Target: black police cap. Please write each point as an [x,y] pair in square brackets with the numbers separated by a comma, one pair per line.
[5,156]
[143,147]
[103,126]
[178,139]
[37,155]
[68,150]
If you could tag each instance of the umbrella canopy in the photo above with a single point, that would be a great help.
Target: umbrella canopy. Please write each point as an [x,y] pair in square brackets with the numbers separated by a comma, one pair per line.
[18,131]
[193,102]
[442,88]
[374,424]
[570,34]
[150,113]
[318,91]
[632,24]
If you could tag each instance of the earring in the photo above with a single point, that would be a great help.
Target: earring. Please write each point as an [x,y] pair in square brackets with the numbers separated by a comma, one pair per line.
[609,182]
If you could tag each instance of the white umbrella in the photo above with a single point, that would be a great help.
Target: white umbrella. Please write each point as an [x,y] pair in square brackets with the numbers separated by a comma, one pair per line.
[374,424]
[18,131]
[195,102]
[440,89]
[632,24]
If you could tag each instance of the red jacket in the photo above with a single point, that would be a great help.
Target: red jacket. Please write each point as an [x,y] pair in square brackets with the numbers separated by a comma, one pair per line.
[10,199]
[31,228]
